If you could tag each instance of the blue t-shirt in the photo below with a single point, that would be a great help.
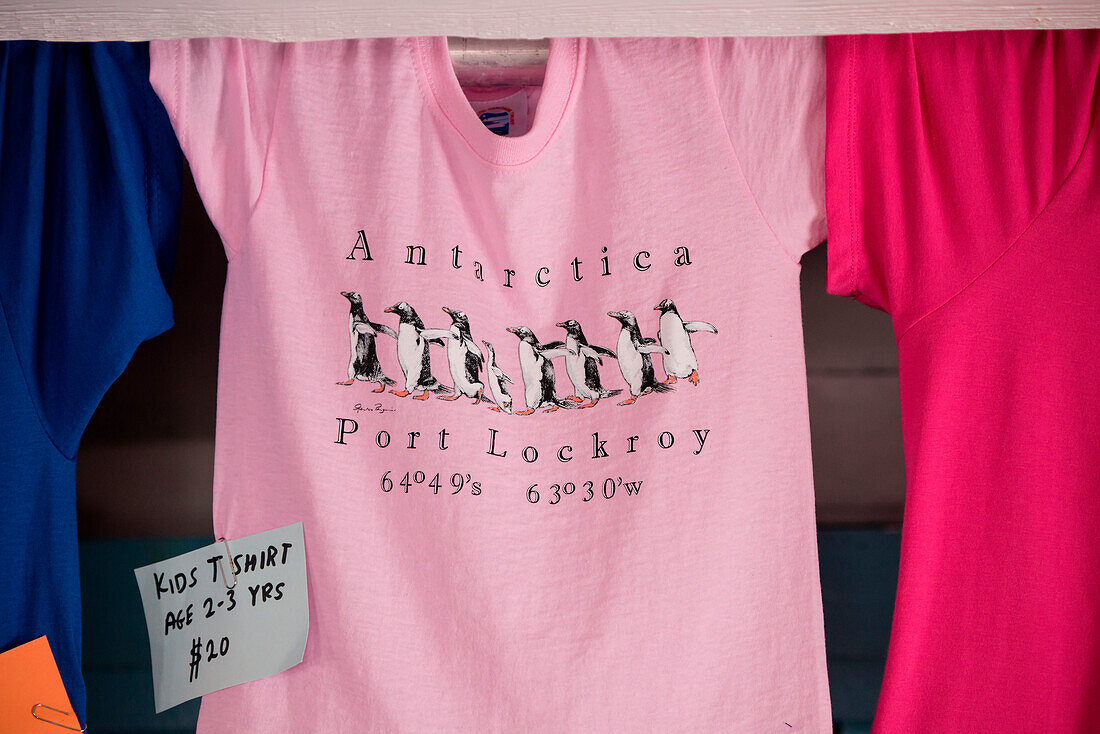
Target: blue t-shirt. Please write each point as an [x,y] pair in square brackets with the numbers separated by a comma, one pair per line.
[89,213]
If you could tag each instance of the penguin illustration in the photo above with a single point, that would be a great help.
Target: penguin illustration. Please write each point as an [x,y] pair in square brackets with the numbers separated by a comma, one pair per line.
[463,357]
[413,354]
[675,336]
[582,364]
[364,364]
[635,361]
[537,368]
[497,380]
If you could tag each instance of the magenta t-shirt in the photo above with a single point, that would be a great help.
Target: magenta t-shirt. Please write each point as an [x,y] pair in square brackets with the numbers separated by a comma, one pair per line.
[529,369]
[964,199]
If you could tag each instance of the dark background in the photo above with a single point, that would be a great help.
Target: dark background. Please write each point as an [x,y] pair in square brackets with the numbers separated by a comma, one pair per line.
[145,470]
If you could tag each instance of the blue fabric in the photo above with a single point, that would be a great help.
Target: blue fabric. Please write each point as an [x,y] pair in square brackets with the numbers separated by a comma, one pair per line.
[89,214]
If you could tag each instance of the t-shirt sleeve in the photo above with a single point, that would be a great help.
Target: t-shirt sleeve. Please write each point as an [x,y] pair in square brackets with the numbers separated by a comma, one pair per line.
[942,149]
[221,94]
[89,215]
[772,95]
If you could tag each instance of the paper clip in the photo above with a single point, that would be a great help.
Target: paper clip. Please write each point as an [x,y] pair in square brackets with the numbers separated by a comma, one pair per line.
[34,713]
[225,577]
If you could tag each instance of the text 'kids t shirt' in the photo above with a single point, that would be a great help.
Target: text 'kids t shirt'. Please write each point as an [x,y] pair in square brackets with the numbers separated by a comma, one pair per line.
[539,400]
[964,199]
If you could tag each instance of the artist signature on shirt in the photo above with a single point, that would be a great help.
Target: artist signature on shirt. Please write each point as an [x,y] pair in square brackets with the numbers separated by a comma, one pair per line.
[376,408]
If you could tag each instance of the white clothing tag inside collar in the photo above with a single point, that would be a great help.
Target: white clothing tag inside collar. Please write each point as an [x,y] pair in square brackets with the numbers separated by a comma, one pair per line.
[505,116]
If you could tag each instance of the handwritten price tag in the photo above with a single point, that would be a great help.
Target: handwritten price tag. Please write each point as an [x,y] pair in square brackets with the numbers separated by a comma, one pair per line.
[218,619]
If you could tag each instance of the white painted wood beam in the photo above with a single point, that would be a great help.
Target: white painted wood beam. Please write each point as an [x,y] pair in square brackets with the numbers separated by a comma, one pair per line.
[304,20]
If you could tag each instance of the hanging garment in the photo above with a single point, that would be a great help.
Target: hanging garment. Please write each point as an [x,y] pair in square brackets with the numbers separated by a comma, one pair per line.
[539,399]
[964,199]
[89,211]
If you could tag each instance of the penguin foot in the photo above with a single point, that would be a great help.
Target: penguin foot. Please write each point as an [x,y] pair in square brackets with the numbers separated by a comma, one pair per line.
[346,383]
[693,378]
[575,399]
[529,411]
[647,391]
[495,409]
[477,398]
[421,396]
[381,387]
[448,398]
[551,409]
[630,400]
[590,404]
[670,380]
[400,393]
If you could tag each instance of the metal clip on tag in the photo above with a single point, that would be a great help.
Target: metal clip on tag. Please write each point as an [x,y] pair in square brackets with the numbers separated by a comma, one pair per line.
[34,713]
[225,578]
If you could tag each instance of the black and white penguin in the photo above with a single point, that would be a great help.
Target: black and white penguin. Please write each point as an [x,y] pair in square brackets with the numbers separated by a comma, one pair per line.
[413,354]
[582,364]
[537,368]
[463,356]
[497,379]
[675,336]
[635,361]
[364,364]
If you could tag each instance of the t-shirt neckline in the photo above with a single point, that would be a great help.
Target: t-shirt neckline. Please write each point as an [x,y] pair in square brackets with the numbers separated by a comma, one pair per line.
[563,70]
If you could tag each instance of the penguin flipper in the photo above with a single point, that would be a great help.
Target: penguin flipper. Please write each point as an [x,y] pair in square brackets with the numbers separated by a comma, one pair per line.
[592,374]
[473,363]
[475,351]
[652,349]
[552,345]
[602,350]
[690,326]
[553,353]
[383,329]
[434,335]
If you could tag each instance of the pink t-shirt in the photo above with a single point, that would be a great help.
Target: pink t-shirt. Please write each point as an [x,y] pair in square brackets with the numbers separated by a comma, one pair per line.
[964,199]
[627,542]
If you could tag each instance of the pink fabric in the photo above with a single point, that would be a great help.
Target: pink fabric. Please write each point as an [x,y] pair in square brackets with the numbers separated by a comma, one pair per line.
[690,604]
[964,199]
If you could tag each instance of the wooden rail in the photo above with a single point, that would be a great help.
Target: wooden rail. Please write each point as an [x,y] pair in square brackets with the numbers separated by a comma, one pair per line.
[85,20]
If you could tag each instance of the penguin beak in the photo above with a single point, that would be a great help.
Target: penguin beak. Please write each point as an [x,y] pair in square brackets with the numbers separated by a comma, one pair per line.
[447,310]
[389,310]
[561,324]
[657,307]
[513,329]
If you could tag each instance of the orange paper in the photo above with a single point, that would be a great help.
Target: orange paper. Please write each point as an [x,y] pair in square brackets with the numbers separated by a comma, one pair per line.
[29,677]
